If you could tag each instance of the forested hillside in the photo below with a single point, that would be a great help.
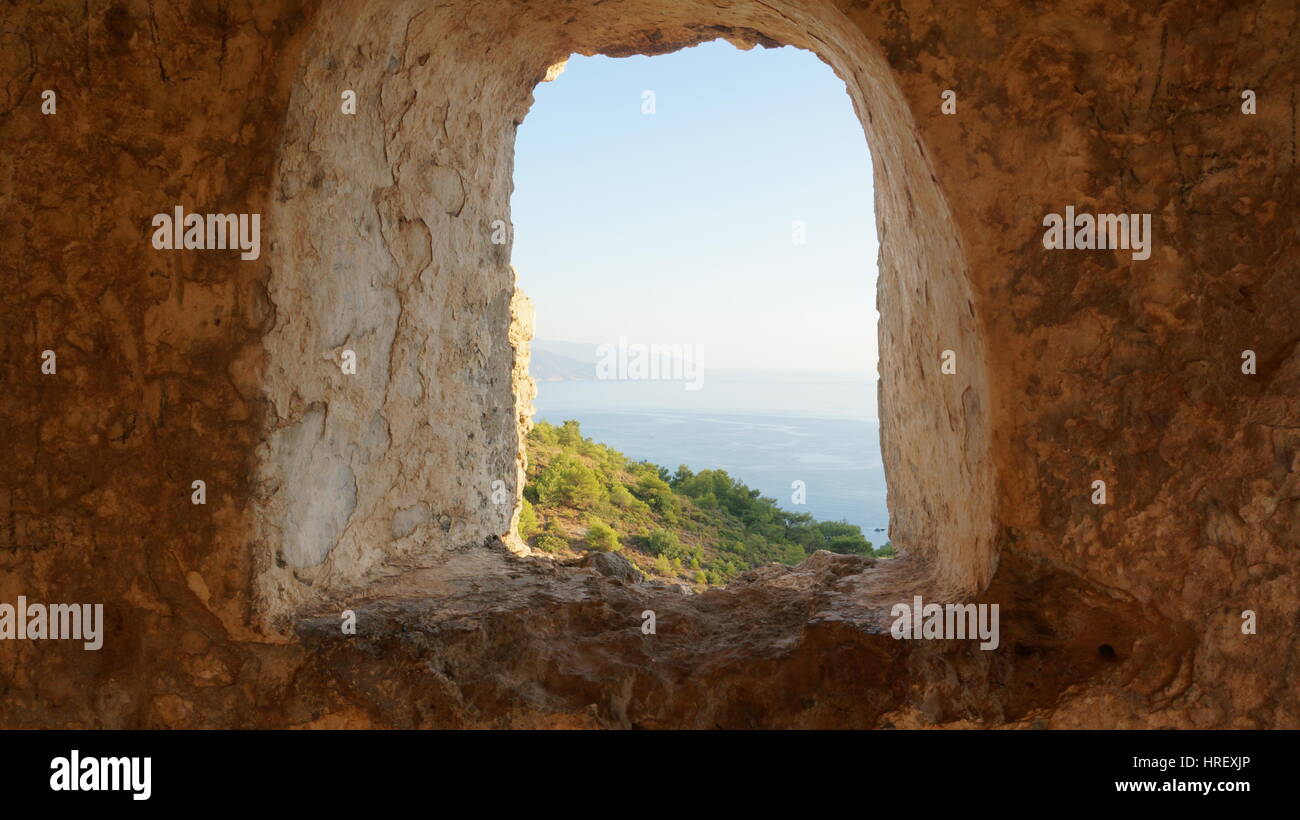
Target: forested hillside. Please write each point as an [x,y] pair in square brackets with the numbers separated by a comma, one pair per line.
[699,528]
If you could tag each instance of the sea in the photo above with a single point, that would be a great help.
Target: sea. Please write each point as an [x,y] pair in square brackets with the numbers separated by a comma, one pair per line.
[767,432]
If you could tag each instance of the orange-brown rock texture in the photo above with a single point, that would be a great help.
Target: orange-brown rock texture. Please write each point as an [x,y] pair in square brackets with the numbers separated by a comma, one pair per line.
[380,491]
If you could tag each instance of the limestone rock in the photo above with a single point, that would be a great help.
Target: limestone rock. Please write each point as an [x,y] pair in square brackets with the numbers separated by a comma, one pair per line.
[612,565]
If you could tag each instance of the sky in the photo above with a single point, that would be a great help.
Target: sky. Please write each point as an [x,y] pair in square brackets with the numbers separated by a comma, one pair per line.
[678,226]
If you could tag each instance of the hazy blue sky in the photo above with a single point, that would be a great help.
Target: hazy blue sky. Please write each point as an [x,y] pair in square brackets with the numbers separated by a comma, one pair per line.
[676,227]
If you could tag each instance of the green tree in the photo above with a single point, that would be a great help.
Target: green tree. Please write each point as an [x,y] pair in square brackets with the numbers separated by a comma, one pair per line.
[842,537]
[792,554]
[569,482]
[544,433]
[570,435]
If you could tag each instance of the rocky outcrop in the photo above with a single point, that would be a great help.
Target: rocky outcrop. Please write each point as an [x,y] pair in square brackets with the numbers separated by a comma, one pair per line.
[613,565]
[391,491]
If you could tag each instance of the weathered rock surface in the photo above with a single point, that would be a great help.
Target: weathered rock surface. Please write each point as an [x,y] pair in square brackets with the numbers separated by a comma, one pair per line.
[612,565]
[379,491]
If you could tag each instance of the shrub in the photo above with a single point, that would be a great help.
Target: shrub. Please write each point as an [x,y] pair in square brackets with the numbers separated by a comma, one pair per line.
[550,543]
[601,536]
[620,497]
[528,524]
[663,542]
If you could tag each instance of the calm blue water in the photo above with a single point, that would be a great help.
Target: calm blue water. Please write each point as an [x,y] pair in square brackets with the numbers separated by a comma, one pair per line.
[765,433]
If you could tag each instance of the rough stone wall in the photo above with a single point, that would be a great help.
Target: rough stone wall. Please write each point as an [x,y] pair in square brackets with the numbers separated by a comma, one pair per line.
[382,245]
[157,383]
[373,490]
[1130,372]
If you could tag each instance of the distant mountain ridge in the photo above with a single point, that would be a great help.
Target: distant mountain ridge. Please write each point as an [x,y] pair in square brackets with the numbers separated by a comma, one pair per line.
[578,351]
[548,366]
[554,360]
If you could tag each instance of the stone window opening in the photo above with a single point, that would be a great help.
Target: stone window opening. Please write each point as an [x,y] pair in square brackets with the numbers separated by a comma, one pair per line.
[414,282]
[596,234]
